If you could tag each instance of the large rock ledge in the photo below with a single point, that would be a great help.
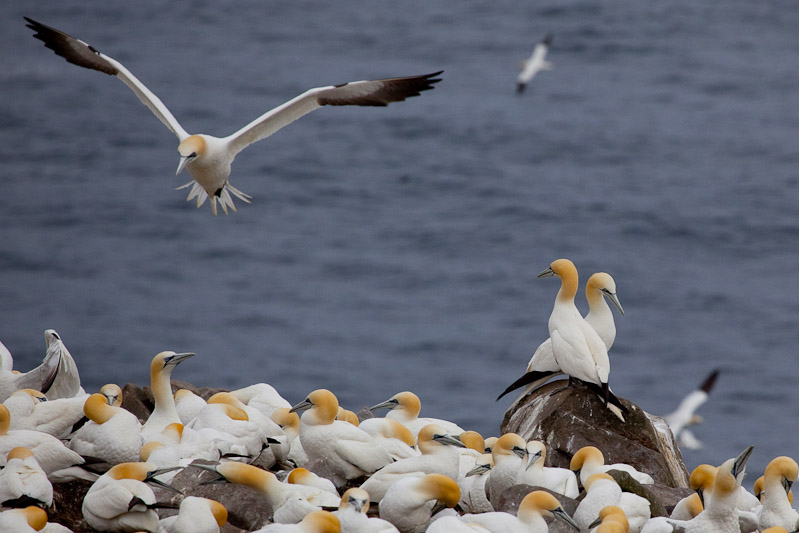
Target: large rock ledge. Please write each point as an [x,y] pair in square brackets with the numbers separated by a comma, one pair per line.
[575,417]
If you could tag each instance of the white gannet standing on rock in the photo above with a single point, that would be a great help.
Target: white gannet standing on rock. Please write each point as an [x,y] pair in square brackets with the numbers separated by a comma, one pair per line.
[67,380]
[290,502]
[40,378]
[314,522]
[188,405]
[112,434]
[164,412]
[28,520]
[578,349]
[208,159]
[23,482]
[195,515]
[121,500]
[560,480]
[50,453]
[352,514]
[410,503]
[508,454]
[542,365]
[685,414]
[336,449]
[440,455]
[530,518]
[780,474]
[30,409]
[535,63]
[589,460]
[404,407]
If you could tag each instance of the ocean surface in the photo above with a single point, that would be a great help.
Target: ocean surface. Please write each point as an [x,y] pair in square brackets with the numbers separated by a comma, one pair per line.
[397,248]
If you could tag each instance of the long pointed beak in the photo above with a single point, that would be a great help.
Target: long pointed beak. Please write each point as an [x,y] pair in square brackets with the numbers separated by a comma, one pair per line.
[150,478]
[183,162]
[178,357]
[532,459]
[740,462]
[561,515]
[302,406]
[449,440]
[388,404]
[478,470]
[615,301]
[521,452]
[546,273]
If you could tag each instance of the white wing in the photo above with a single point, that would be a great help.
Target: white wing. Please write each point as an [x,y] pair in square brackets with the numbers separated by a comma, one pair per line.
[82,54]
[362,93]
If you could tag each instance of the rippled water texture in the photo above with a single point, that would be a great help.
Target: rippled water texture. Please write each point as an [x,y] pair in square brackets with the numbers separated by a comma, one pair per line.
[393,249]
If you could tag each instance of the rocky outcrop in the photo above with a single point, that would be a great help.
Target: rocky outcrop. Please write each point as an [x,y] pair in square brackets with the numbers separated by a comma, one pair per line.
[576,417]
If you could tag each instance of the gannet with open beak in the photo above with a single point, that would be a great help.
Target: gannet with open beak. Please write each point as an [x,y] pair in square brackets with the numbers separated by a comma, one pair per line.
[290,502]
[164,412]
[352,514]
[112,434]
[342,451]
[314,522]
[560,480]
[530,518]
[208,159]
[195,515]
[590,460]
[121,500]
[685,414]
[780,475]
[40,378]
[30,409]
[23,482]
[28,520]
[404,407]
[50,453]
[535,63]
[440,454]
[410,503]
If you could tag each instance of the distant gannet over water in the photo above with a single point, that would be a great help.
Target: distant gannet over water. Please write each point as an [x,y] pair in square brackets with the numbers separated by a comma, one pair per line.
[188,405]
[164,412]
[535,63]
[208,159]
[685,415]
[404,407]
[112,393]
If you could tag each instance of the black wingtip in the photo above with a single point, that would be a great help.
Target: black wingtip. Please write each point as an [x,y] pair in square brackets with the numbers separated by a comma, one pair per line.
[709,382]
[606,395]
[520,88]
[526,379]
[547,40]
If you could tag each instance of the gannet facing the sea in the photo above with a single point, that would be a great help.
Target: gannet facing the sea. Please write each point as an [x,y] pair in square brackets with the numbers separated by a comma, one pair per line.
[508,454]
[535,63]
[208,159]
[164,412]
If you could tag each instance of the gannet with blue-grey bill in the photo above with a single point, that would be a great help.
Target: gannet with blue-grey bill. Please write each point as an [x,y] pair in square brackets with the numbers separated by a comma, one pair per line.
[404,407]
[535,63]
[164,412]
[780,475]
[207,158]
[560,480]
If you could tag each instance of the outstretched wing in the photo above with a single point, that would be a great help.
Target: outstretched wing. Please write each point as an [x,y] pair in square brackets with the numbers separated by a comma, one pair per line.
[82,54]
[363,93]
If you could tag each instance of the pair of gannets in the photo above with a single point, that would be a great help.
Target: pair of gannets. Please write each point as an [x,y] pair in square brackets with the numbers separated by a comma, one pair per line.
[685,414]
[121,499]
[404,407]
[291,502]
[208,159]
[440,455]
[534,64]
[57,375]
[602,491]
[337,449]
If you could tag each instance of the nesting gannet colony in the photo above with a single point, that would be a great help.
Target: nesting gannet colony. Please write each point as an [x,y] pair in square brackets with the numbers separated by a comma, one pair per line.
[571,454]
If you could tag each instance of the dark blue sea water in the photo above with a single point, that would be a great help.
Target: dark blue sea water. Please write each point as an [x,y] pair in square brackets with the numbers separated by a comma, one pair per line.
[397,248]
